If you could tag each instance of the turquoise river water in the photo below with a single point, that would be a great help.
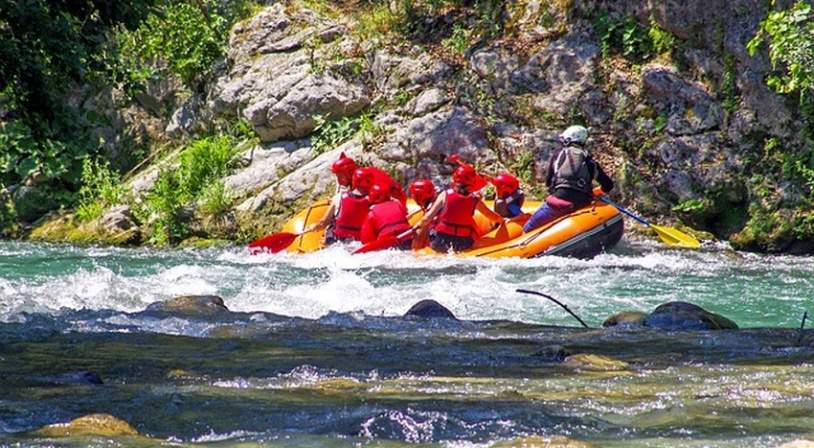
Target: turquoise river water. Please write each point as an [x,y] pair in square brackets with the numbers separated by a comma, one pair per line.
[314,353]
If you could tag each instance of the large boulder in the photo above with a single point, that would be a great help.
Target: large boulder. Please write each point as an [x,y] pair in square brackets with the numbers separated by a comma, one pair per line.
[189,305]
[429,309]
[437,135]
[689,108]
[266,164]
[281,74]
[410,68]
[562,72]
[687,316]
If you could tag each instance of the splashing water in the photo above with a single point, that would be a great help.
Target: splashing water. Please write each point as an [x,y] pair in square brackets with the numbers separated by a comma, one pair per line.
[314,355]
[751,289]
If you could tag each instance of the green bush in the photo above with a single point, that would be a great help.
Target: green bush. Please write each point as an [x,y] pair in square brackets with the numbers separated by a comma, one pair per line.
[101,188]
[663,41]
[330,134]
[24,153]
[790,37]
[459,40]
[202,164]
[187,37]
[215,200]
[623,35]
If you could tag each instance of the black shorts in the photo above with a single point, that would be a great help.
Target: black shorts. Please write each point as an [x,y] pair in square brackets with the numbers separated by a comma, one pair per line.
[442,242]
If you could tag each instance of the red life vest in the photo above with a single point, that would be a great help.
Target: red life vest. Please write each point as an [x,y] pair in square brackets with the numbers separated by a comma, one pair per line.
[352,214]
[389,218]
[457,216]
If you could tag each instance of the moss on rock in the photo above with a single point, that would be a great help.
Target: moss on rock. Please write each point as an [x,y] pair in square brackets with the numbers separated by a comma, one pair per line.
[89,425]
[596,363]
[543,442]
[66,228]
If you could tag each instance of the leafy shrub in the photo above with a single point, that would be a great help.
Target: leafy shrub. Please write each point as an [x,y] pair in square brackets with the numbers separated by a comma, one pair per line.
[202,164]
[215,200]
[459,40]
[330,134]
[186,37]
[101,188]
[663,41]
[625,36]
[378,20]
[24,154]
[790,37]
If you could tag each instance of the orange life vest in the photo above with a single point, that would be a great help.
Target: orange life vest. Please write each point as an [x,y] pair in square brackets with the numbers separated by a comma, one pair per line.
[352,214]
[456,218]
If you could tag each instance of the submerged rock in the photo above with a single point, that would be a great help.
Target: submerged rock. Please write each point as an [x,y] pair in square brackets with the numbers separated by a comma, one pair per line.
[597,363]
[553,353]
[89,425]
[625,319]
[543,442]
[687,316]
[429,309]
[205,305]
[81,377]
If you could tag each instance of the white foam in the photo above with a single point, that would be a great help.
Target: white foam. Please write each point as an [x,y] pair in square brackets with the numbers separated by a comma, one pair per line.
[639,277]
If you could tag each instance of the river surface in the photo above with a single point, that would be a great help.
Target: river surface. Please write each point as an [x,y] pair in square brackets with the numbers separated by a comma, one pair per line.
[314,352]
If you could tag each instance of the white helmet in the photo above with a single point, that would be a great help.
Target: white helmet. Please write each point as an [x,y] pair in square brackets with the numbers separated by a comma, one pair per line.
[574,134]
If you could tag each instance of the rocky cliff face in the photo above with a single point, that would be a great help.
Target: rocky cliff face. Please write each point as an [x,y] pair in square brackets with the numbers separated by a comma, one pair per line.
[677,127]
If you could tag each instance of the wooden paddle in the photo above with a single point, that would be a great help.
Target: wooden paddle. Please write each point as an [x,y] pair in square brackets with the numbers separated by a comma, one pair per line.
[670,236]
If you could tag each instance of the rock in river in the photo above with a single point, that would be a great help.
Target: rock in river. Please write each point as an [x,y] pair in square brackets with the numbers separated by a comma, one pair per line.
[89,425]
[686,316]
[625,319]
[543,442]
[199,305]
[429,309]
[596,363]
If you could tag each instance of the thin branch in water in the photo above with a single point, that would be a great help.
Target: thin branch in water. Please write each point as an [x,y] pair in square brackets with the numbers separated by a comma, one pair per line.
[526,291]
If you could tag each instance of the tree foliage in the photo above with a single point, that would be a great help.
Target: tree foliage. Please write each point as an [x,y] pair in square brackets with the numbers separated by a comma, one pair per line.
[790,37]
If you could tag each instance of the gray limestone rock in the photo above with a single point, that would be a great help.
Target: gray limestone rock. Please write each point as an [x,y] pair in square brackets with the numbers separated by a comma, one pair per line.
[689,108]
[563,72]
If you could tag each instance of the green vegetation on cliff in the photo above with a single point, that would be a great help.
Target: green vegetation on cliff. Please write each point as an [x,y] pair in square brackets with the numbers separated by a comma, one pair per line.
[53,53]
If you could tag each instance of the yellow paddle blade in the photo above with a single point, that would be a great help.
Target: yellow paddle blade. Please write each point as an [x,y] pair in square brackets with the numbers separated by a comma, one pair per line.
[674,237]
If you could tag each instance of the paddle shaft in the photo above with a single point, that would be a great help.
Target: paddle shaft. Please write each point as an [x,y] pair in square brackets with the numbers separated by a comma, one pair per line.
[641,220]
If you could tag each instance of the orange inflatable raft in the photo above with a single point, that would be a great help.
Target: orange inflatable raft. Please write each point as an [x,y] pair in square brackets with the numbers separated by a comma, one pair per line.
[583,234]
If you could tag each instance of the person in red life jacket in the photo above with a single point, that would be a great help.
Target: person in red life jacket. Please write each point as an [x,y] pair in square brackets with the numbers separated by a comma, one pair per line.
[569,177]
[394,188]
[348,210]
[509,197]
[387,216]
[343,168]
[423,193]
[456,228]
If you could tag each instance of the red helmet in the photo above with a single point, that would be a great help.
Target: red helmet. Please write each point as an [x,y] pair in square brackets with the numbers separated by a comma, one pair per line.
[422,191]
[464,175]
[378,193]
[363,179]
[343,164]
[505,184]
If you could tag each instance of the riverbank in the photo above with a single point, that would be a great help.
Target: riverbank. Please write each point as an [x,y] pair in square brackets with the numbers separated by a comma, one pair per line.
[696,124]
